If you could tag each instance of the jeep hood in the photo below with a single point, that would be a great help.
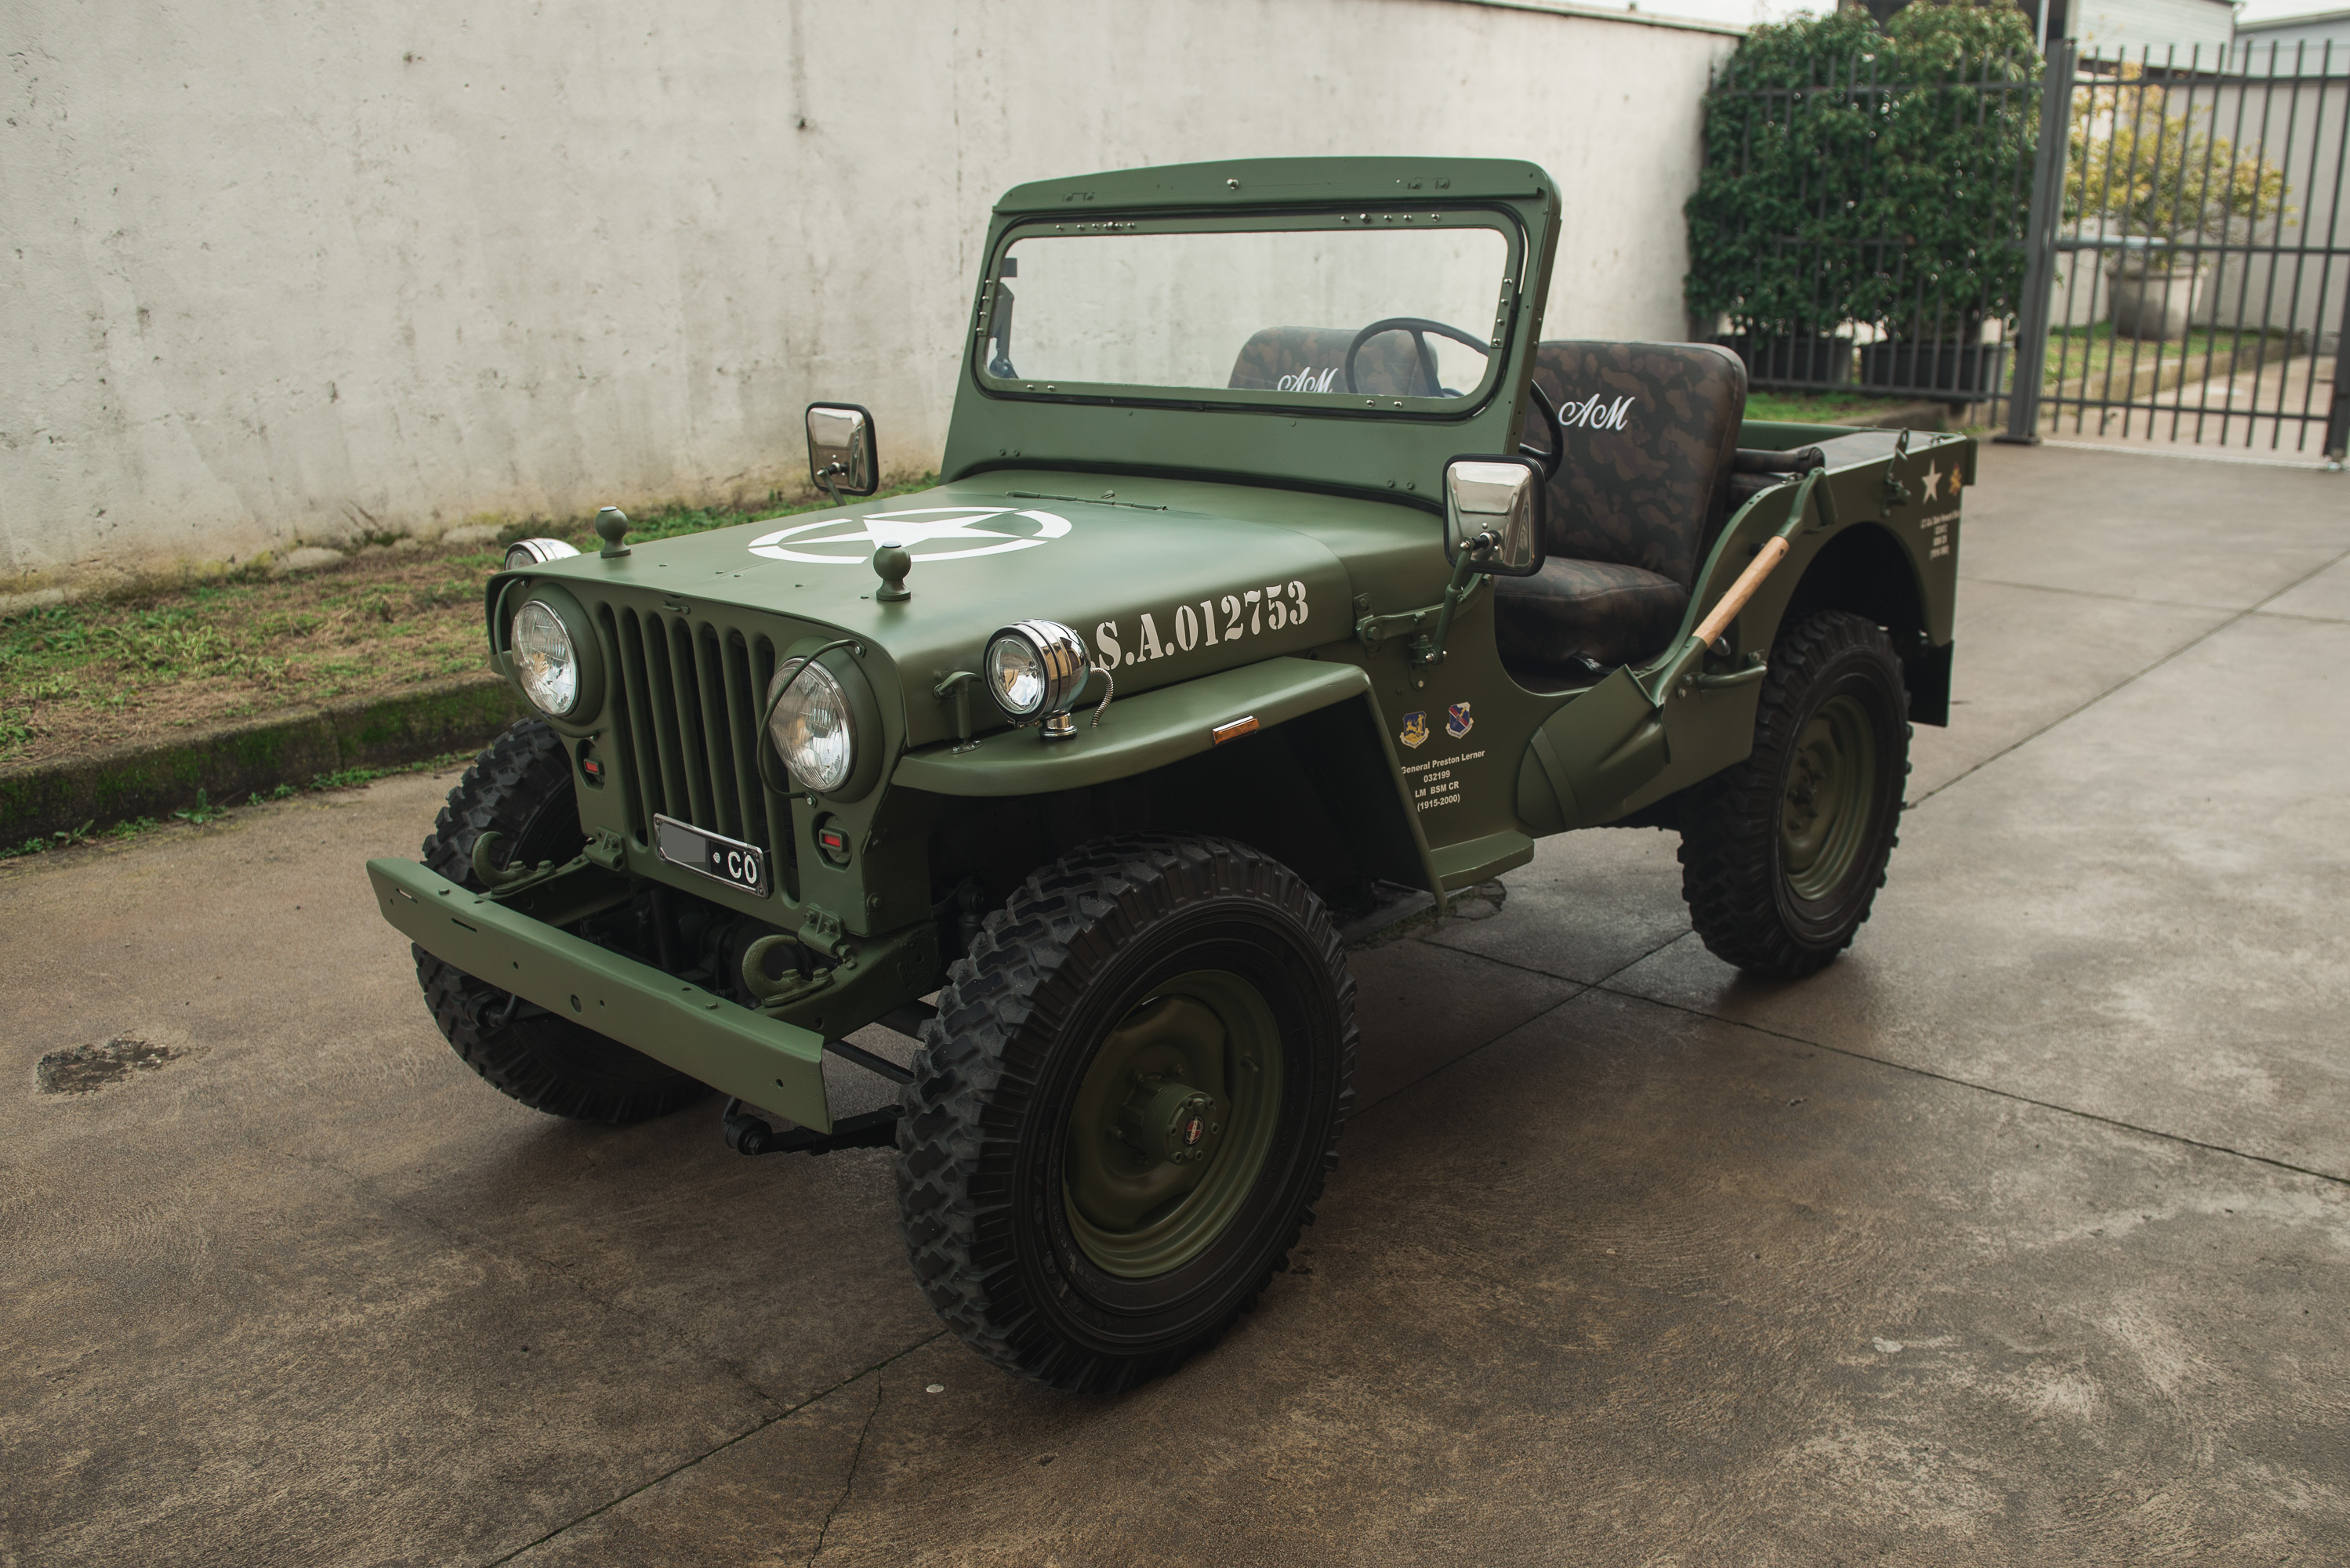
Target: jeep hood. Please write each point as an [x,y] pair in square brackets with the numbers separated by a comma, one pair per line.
[1165,580]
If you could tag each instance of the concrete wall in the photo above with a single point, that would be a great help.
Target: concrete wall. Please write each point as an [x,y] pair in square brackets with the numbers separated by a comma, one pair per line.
[286,272]
[2113,27]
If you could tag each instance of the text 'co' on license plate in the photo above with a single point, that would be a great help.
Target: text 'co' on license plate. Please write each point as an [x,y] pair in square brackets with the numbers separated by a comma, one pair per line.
[714,856]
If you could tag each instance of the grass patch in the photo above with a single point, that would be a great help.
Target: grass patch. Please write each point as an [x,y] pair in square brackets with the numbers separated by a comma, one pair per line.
[2094,354]
[152,664]
[1819,408]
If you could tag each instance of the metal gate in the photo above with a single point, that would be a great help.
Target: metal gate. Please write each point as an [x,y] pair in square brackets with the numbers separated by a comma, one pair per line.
[2187,264]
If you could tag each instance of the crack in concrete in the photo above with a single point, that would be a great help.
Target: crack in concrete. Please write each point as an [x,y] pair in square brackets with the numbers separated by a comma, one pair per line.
[848,1481]
[2094,594]
[1587,987]
[741,1436]
[653,1328]
[2190,644]
[2020,1098]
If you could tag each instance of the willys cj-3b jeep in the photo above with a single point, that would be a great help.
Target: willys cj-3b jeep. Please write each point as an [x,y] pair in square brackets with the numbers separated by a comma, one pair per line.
[1217,629]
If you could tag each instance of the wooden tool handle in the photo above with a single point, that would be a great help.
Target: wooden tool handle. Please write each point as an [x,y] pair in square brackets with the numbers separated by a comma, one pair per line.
[1717,620]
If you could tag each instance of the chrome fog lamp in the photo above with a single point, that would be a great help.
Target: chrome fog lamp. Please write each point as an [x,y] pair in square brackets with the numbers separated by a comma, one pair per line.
[813,729]
[546,661]
[1035,670]
[535,552]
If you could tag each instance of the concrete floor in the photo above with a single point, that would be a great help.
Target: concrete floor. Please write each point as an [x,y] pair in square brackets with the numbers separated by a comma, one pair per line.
[2275,413]
[2017,1237]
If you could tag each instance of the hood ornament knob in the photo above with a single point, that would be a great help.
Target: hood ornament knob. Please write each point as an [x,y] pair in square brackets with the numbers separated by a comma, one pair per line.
[891,564]
[612,525]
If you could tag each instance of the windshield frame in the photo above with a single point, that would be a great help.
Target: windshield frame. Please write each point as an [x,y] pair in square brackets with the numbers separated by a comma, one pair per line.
[1385,215]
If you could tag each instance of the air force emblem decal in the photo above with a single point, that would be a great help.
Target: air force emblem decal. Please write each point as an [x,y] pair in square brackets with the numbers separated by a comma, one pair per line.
[1457,721]
[1415,729]
[927,533]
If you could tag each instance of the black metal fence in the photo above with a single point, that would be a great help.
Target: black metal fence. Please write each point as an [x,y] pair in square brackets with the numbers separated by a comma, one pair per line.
[2188,266]
[1884,208]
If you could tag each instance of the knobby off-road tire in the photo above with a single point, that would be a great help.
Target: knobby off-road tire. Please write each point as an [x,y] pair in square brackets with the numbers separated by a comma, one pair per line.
[521,786]
[1076,1053]
[1782,856]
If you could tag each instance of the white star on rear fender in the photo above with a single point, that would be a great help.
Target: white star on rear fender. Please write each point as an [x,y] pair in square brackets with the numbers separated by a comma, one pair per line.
[1933,482]
[849,540]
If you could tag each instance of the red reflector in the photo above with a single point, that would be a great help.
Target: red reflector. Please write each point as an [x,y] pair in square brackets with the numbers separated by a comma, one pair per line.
[832,839]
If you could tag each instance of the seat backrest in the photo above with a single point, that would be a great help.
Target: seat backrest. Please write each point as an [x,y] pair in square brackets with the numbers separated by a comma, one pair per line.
[1314,359]
[1652,431]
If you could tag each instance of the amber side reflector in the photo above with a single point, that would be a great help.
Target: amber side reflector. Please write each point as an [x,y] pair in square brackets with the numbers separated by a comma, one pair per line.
[1234,730]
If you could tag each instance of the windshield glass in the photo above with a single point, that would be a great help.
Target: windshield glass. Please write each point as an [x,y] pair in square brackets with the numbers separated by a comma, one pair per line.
[1268,313]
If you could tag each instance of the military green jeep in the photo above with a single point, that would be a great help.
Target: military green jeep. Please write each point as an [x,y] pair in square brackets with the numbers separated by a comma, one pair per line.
[1220,634]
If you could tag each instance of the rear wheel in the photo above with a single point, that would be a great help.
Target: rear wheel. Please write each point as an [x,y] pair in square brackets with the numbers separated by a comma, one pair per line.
[1125,1109]
[521,788]
[1782,856]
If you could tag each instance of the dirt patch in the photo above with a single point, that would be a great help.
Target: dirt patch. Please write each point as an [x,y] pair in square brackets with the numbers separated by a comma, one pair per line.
[158,667]
[86,1069]
[78,678]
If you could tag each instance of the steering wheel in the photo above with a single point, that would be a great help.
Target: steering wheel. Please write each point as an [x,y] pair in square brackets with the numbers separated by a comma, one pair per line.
[1549,460]
[1420,327]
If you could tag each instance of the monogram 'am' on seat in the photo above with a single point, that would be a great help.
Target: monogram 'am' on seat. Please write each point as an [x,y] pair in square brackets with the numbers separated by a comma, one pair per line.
[1314,359]
[1651,433]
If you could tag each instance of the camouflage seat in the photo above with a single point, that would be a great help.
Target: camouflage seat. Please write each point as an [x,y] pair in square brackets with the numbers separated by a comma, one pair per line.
[1314,359]
[1652,431]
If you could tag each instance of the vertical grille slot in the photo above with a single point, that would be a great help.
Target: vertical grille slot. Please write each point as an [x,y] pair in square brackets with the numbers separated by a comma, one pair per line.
[626,728]
[636,681]
[741,706]
[717,733]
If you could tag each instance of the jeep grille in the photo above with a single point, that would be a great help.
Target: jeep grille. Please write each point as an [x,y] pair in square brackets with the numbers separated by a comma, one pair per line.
[685,726]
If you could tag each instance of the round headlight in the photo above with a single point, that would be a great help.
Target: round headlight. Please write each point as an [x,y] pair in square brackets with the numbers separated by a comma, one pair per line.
[535,552]
[1015,676]
[812,728]
[544,661]
[1035,668]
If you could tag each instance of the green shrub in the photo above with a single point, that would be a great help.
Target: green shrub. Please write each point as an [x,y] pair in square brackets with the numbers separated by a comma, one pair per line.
[1858,173]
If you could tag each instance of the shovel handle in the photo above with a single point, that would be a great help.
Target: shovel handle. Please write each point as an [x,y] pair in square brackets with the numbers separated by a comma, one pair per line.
[1718,619]
[1774,550]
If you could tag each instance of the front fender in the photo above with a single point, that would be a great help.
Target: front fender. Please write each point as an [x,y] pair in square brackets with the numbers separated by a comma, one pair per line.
[1144,733]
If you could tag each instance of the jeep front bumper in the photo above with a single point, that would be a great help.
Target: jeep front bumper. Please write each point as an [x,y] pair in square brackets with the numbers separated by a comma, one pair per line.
[773,1065]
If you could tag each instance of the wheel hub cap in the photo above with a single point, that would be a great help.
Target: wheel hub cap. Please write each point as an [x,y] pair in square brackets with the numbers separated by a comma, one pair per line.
[1169,1127]
[1823,813]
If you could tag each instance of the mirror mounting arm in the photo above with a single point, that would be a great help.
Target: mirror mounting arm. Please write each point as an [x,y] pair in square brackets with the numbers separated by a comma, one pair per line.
[1428,648]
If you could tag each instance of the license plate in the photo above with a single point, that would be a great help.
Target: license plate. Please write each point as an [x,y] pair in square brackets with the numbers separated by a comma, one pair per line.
[712,855]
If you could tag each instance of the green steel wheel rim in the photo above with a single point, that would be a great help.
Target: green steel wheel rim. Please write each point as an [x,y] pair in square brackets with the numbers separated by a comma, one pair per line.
[1831,791]
[1170,1130]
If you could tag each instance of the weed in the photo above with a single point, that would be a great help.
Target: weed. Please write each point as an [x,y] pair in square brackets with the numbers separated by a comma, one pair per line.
[57,840]
[345,778]
[203,811]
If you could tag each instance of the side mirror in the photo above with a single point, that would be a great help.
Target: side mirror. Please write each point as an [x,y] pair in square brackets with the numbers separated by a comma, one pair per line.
[840,450]
[1493,513]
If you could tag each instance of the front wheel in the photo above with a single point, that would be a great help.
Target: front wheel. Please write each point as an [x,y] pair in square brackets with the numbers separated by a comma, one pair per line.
[1124,1111]
[1782,856]
[520,786]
